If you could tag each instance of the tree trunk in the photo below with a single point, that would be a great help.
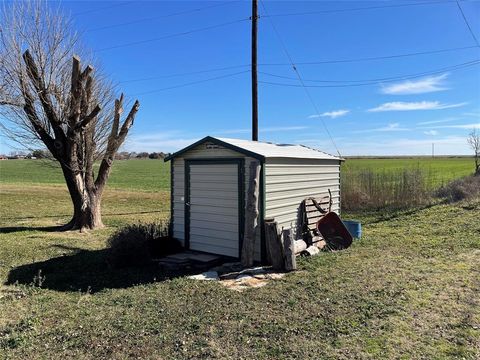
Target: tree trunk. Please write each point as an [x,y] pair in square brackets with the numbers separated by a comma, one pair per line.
[86,203]
[86,216]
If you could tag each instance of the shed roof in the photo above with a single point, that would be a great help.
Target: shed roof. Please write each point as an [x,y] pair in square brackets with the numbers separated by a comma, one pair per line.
[261,150]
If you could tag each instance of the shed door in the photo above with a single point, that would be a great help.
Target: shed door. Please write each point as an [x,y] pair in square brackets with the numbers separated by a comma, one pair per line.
[213,220]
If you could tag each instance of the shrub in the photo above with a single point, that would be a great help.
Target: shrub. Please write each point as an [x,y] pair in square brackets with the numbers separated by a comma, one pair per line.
[137,244]
[370,189]
[460,189]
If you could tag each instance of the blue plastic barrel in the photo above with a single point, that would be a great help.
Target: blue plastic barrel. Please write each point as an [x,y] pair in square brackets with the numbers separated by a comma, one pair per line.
[354,228]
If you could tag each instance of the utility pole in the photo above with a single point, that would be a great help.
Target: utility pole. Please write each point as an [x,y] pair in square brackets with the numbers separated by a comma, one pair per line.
[433,150]
[254,72]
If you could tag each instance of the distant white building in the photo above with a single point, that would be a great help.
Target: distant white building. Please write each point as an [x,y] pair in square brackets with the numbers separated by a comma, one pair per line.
[209,180]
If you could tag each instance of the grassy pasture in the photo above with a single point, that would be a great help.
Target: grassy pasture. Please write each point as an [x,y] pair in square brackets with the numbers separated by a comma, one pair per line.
[154,175]
[438,171]
[142,174]
[409,289]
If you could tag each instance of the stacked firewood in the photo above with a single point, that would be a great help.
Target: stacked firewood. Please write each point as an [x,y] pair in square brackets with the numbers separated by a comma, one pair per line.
[282,248]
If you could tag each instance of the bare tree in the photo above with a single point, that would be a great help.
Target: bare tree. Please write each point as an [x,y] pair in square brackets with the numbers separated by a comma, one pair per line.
[46,97]
[474,142]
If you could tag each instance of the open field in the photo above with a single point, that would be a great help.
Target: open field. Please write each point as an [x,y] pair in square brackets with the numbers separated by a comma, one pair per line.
[145,174]
[154,175]
[438,171]
[409,289]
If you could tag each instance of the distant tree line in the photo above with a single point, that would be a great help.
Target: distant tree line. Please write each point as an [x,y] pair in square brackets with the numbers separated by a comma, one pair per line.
[124,155]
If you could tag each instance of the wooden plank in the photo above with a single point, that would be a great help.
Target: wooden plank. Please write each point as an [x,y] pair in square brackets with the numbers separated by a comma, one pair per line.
[274,245]
[251,216]
[204,258]
[289,250]
[314,219]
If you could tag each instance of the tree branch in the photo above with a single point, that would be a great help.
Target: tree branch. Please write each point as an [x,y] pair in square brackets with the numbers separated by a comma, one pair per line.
[86,120]
[128,122]
[116,117]
[42,92]
[32,116]
[115,141]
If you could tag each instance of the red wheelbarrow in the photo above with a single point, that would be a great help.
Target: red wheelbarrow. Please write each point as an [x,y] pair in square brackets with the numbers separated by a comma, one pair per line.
[334,232]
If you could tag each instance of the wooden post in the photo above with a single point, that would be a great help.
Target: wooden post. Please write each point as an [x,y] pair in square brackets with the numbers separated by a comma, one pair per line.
[251,216]
[254,73]
[274,245]
[289,250]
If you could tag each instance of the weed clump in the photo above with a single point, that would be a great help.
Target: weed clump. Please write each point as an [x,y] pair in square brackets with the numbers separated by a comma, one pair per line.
[369,189]
[138,244]
[460,189]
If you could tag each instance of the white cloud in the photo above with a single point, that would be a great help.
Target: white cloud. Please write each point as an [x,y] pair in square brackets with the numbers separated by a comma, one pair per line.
[475,114]
[438,121]
[421,86]
[459,126]
[331,114]
[389,128]
[431,132]
[408,106]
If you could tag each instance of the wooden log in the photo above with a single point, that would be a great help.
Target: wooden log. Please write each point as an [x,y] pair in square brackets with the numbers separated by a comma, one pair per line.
[273,245]
[300,245]
[251,216]
[289,250]
[320,244]
[310,251]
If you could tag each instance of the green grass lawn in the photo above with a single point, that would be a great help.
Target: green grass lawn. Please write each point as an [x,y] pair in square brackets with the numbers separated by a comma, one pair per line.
[410,289]
[154,175]
[438,171]
[142,174]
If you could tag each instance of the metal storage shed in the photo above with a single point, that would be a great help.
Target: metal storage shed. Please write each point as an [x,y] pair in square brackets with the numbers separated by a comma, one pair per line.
[209,181]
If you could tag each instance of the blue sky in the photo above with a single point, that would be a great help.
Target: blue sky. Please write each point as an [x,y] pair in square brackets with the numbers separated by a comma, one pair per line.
[400,117]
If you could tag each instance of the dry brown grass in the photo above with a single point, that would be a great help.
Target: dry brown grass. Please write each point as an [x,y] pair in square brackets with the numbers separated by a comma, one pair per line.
[460,189]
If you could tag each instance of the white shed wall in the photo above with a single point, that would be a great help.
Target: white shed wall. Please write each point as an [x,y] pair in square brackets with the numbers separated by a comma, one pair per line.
[289,181]
[203,151]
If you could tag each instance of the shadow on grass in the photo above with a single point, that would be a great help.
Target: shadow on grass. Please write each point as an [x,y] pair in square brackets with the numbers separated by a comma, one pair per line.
[85,270]
[67,215]
[388,214]
[13,229]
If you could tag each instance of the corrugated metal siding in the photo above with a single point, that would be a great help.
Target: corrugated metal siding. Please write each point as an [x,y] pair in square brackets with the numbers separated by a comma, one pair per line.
[208,212]
[218,237]
[289,181]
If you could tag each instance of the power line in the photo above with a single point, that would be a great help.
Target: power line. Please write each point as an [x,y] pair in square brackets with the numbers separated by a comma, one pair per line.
[381,80]
[173,35]
[191,83]
[161,16]
[119,3]
[185,74]
[359,8]
[385,57]
[247,65]
[300,78]
[468,25]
